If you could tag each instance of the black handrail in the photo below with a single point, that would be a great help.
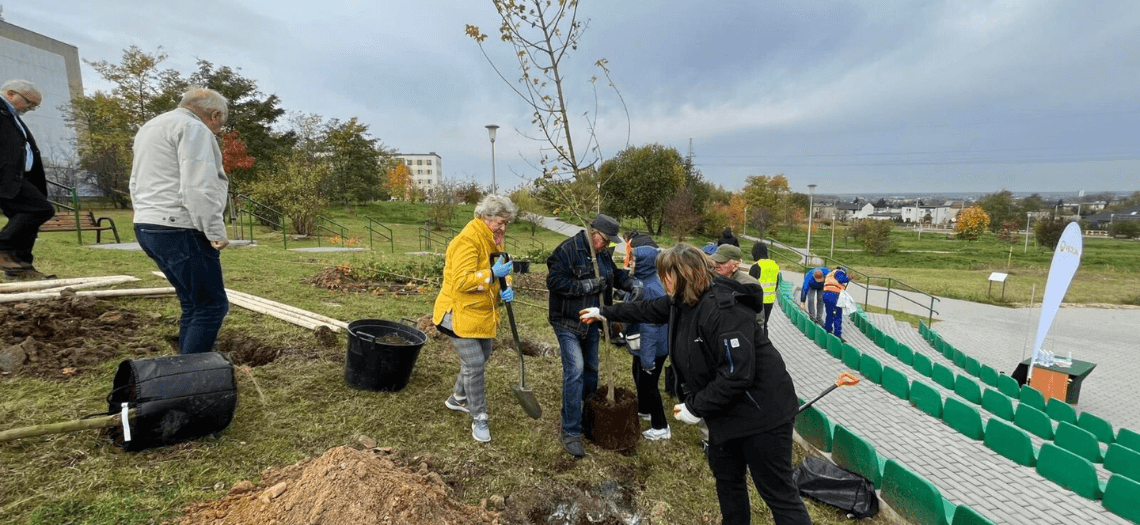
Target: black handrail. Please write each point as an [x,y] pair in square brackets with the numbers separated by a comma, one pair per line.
[390,236]
[866,278]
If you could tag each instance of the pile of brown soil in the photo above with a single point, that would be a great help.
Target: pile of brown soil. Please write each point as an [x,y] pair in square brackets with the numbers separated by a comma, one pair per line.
[341,278]
[533,284]
[65,336]
[345,485]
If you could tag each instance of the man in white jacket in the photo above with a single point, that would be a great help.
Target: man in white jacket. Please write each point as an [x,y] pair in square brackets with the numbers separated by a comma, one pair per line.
[179,191]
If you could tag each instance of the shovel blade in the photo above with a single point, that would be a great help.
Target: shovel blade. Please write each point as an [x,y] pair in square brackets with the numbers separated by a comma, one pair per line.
[528,402]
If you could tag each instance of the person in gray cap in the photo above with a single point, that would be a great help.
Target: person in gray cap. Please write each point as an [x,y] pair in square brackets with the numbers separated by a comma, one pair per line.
[727,259]
[573,286]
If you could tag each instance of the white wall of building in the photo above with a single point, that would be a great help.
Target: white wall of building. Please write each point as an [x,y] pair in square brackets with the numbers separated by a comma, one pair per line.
[54,68]
[426,168]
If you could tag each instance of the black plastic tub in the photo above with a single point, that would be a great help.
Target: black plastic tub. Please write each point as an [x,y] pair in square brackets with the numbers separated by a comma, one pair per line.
[381,366]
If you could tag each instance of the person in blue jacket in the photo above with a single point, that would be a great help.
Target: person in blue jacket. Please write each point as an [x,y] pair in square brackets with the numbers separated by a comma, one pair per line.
[649,359]
[812,293]
[835,283]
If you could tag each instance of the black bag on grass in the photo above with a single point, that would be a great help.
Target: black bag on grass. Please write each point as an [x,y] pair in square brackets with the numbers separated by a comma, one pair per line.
[825,481]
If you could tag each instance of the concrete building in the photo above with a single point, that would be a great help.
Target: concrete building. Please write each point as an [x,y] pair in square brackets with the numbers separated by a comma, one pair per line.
[426,168]
[53,67]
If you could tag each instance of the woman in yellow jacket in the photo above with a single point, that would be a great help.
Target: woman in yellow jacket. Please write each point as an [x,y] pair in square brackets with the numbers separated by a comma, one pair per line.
[465,308]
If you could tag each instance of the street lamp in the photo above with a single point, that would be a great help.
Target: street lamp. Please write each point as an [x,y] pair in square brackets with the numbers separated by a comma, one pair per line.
[1027,215]
[491,129]
[811,193]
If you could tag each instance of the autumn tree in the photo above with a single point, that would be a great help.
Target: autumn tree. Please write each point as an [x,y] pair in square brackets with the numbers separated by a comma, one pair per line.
[399,181]
[638,180]
[294,187]
[355,159]
[972,223]
[682,218]
[999,207]
[234,153]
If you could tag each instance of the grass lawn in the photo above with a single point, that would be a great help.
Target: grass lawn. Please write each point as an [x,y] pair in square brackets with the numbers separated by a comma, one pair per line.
[300,405]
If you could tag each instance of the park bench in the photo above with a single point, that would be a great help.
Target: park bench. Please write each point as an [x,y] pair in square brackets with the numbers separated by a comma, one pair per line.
[67,221]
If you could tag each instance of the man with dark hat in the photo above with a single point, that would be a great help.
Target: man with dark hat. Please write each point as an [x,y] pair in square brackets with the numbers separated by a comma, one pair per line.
[768,273]
[574,286]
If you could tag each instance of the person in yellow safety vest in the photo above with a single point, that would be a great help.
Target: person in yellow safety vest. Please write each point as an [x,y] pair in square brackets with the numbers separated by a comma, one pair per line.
[836,282]
[768,273]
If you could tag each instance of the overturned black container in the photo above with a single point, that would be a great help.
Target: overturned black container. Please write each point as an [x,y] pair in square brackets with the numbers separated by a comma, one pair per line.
[177,398]
[383,366]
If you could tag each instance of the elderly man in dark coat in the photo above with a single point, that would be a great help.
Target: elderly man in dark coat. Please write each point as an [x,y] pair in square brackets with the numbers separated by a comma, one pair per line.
[23,186]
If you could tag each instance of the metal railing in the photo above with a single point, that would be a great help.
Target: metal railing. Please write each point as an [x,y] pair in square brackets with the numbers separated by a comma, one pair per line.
[340,230]
[74,207]
[426,237]
[389,236]
[890,288]
[245,207]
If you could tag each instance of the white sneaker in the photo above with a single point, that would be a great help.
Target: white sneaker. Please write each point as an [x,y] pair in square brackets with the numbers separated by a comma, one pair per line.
[480,431]
[655,434]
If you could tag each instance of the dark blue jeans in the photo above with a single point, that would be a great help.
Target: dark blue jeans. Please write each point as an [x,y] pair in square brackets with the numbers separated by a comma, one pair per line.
[194,269]
[579,375]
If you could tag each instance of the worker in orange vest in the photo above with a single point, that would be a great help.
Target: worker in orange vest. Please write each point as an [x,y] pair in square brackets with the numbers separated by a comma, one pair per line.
[835,282]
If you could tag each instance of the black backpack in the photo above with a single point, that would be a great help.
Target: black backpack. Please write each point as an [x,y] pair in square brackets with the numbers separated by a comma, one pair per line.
[824,481]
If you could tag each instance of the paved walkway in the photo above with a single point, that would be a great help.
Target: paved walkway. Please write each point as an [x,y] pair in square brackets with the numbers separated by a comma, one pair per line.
[965,471]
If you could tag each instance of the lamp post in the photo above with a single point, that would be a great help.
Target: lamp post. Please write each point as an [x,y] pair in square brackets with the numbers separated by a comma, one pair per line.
[811,194]
[1027,215]
[491,129]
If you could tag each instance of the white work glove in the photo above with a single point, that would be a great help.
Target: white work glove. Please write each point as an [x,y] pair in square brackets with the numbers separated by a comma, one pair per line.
[682,414]
[803,306]
[589,315]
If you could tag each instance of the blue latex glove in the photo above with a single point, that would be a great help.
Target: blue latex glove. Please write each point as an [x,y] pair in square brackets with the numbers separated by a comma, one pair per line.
[502,267]
[507,295]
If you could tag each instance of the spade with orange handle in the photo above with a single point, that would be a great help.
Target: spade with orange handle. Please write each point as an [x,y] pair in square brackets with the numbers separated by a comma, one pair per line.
[844,379]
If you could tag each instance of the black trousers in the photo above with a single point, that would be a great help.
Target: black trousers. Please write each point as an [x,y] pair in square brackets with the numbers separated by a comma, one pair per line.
[769,456]
[26,211]
[648,393]
[768,312]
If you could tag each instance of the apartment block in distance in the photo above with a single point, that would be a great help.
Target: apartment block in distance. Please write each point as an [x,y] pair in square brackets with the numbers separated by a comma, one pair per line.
[426,168]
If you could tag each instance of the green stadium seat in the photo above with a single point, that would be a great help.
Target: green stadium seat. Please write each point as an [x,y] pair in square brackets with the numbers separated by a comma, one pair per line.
[1032,397]
[942,375]
[1122,460]
[1069,470]
[871,368]
[972,367]
[965,515]
[838,352]
[880,338]
[851,357]
[1033,421]
[922,364]
[1100,428]
[998,404]
[964,418]
[892,346]
[852,452]
[960,359]
[904,354]
[896,382]
[1008,386]
[1010,442]
[821,337]
[1078,441]
[1059,410]
[969,389]
[923,329]
[913,496]
[816,428]
[834,345]
[809,328]
[1126,437]
[926,398]
[988,375]
[1120,497]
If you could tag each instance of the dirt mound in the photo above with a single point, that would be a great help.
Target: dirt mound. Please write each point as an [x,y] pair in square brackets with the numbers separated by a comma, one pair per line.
[345,485]
[534,284]
[341,278]
[63,337]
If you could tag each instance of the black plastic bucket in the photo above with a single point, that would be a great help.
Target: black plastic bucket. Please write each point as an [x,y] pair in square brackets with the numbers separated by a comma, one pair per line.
[178,398]
[383,366]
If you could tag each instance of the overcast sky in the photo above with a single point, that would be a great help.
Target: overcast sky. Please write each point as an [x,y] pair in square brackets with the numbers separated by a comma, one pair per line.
[856,97]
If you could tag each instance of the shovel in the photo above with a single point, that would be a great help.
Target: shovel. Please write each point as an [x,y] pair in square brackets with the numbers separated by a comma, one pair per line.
[522,393]
[844,379]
